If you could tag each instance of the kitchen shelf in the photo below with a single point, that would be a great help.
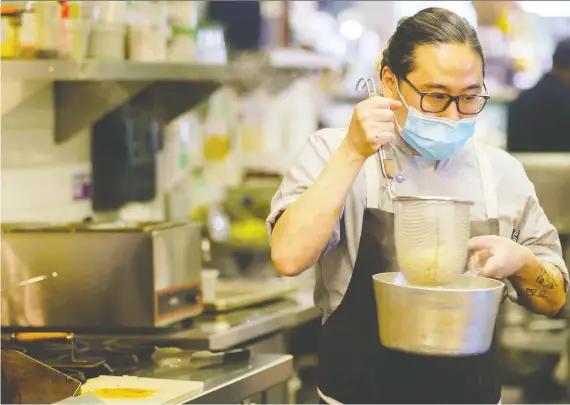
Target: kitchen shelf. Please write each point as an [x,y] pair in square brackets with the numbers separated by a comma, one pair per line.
[97,70]
[243,66]
[84,91]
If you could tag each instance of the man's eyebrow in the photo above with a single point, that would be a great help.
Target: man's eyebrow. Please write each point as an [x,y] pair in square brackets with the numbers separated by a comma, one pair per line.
[439,86]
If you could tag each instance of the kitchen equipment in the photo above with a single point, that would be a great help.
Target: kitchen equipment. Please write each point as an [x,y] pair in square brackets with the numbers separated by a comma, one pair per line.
[28,381]
[431,233]
[234,293]
[65,343]
[124,148]
[384,157]
[453,320]
[431,236]
[111,275]
[30,281]
[173,357]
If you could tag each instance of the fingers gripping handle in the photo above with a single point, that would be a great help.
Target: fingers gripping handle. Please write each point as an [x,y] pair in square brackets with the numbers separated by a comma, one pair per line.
[368,84]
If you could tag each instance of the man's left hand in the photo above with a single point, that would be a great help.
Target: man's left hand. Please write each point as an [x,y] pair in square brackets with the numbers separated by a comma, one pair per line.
[499,257]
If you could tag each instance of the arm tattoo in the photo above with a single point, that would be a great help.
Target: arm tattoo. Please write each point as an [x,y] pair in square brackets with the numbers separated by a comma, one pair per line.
[533,292]
[546,279]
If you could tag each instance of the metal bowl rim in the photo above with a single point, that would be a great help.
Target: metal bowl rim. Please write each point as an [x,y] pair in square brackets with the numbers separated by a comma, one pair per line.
[439,289]
[433,199]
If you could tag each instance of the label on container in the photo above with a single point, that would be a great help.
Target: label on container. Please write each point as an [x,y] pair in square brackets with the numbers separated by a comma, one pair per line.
[81,184]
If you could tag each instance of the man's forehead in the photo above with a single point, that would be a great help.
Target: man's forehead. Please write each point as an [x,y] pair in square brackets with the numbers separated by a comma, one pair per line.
[453,66]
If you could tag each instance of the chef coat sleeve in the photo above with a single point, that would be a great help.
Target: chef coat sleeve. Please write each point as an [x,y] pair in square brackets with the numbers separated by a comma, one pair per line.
[540,236]
[307,166]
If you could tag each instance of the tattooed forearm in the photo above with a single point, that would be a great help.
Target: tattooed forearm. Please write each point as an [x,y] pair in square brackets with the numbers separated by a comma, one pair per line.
[533,292]
[540,288]
[546,279]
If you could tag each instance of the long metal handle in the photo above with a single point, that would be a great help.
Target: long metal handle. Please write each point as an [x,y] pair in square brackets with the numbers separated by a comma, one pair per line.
[368,84]
[30,281]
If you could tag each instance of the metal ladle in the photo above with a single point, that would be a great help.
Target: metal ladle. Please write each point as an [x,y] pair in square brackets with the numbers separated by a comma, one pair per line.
[369,85]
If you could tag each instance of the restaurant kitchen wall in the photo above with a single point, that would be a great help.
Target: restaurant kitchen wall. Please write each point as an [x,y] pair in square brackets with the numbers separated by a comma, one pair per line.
[39,176]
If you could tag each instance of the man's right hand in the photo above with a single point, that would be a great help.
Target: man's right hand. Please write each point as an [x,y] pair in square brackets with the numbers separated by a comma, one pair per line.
[372,125]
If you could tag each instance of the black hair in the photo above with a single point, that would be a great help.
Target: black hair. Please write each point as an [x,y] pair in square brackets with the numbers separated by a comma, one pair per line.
[561,57]
[430,26]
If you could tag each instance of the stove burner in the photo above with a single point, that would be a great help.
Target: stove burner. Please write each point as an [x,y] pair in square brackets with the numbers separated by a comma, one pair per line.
[66,355]
[7,345]
[89,359]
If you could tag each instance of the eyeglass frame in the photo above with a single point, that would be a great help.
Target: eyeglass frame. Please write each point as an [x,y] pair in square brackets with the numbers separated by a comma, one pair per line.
[450,98]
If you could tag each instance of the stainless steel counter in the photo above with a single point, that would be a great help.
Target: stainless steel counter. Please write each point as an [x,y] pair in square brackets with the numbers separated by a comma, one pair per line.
[235,328]
[232,383]
[225,384]
[223,331]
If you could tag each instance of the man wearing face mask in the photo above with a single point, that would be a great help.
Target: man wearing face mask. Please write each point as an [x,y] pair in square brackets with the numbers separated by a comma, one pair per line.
[331,211]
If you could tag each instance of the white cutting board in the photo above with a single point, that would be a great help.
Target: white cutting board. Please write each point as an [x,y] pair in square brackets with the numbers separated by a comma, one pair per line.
[140,390]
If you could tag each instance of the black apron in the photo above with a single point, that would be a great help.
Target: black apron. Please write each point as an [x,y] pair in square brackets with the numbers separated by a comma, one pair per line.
[354,367]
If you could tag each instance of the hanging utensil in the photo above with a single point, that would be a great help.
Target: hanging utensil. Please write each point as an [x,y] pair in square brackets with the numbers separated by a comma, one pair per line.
[368,84]
[30,281]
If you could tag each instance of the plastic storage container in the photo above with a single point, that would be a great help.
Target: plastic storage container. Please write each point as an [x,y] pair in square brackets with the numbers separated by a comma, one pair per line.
[107,41]
[11,23]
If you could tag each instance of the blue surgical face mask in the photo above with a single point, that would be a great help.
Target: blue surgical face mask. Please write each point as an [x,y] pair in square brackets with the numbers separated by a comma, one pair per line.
[432,137]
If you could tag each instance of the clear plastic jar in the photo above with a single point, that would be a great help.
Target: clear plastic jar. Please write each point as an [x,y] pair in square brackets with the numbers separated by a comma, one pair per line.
[11,22]
[48,25]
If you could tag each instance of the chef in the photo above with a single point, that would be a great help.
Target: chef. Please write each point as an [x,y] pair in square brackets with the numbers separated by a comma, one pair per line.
[332,209]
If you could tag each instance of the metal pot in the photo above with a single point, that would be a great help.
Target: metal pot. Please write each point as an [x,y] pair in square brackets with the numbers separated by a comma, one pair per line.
[457,319]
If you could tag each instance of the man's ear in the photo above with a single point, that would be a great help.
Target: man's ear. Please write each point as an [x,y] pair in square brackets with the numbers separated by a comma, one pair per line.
[388,83]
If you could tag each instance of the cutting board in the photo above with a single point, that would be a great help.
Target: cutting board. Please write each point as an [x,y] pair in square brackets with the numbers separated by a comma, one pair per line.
[140,390]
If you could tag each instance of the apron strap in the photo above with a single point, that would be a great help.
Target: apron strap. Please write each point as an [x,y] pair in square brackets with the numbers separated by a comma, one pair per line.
[371,169]
[487,181]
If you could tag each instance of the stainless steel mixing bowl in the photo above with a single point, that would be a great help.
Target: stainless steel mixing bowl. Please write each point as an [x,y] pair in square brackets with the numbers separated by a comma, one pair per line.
[453,320]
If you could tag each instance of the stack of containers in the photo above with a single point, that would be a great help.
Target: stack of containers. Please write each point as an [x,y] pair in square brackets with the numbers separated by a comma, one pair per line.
[183,17]
[148,31]
[107,40]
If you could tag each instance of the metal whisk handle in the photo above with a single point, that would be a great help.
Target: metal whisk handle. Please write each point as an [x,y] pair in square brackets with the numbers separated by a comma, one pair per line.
[368,84]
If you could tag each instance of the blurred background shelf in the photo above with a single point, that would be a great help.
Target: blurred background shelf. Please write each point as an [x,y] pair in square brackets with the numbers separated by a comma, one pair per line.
[167,88]
[285,60]
[99,70]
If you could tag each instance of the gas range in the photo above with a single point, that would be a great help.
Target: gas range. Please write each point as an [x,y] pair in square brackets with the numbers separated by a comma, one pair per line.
[81,359]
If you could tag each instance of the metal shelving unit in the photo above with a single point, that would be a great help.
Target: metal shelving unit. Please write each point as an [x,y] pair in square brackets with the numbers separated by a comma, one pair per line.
[84,91]
[242,67]
[97,70]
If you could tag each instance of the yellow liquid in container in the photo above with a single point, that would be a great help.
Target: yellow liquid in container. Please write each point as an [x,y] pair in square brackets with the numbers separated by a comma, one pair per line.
[216,148]
[123,393]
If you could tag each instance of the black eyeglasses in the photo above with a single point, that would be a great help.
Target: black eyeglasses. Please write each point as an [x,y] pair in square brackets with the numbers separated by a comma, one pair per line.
[434,102]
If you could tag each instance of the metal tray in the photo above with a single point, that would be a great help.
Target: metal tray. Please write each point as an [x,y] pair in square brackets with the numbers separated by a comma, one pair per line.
[239,293]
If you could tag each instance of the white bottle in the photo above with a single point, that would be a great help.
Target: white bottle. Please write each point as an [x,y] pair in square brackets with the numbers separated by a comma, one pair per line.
[48,28]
